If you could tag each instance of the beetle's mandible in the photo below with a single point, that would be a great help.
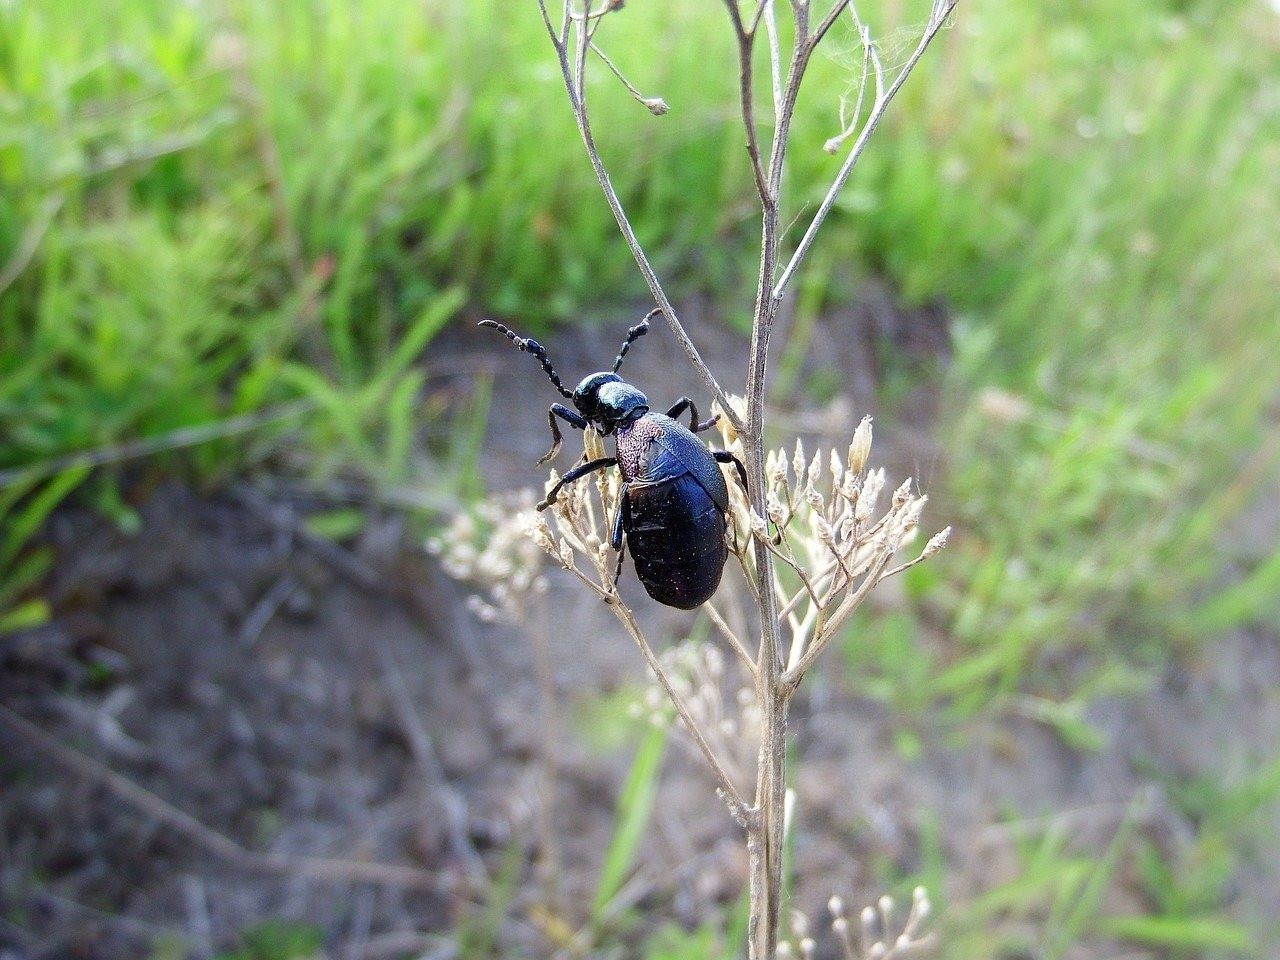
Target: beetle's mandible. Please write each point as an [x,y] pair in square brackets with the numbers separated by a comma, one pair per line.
[674,499]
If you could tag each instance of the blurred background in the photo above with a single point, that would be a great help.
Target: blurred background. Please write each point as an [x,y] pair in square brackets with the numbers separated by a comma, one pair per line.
[265,691]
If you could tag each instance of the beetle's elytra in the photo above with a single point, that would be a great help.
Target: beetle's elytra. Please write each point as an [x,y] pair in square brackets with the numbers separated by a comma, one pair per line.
[674,499]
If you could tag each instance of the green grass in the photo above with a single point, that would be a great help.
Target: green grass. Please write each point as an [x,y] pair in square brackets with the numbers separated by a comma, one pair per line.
[210,213]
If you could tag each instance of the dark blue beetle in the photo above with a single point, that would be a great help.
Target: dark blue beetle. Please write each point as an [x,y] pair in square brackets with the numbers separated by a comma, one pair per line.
[674,498]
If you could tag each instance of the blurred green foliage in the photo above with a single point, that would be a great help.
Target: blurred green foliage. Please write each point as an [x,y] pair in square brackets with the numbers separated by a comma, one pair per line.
[209,211]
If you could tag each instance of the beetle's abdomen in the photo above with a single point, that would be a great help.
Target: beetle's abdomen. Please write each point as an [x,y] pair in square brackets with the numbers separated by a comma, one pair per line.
[676,535]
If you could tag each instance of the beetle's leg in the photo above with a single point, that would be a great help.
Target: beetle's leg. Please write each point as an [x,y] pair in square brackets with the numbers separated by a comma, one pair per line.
[617,574]
[724,456]
[569,417]
[574,474]
[684,403]
[615,539]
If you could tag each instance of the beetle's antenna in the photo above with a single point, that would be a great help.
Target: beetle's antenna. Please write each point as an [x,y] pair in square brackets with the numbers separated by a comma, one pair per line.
[634,334]
[529,345]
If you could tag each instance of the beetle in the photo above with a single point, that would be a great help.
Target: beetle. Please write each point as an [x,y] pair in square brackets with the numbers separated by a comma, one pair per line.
[674,500]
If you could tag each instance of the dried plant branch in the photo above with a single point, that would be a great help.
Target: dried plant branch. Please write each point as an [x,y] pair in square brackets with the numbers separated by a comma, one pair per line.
[832,539]
[737,806]
[727,632]
[655,105]
[573,75]
[941,12]
[746,93]
[210,840]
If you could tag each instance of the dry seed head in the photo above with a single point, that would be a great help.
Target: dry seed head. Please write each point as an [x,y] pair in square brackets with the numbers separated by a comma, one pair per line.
[815,469]
[836,906]
[932,548]
[807,946]
[727,432]
[777,469]
[814,498]
[860,447]
[776,511]
[837,470]
[799,924]
[868,495]
[656,105]
[798,461]
[903,493]
[593,443]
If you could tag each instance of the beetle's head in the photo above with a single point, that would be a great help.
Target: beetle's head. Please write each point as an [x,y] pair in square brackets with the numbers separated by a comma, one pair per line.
[609,401]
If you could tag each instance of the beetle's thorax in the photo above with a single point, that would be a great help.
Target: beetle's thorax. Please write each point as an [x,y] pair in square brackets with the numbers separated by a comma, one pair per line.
[633,441]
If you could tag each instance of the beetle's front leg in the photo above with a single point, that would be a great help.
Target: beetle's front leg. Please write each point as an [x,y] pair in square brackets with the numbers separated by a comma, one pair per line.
[573,475]
[724,456]
[615,540]
[684,403]
[569,417]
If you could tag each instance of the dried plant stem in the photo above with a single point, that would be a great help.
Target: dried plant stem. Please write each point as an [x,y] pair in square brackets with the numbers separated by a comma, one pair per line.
[737,806]
[210,840]
[574,79]
[833,585]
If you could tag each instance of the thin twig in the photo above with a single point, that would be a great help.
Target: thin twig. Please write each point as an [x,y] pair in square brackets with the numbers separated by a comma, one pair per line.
[430,767]
[161,443]
[737,806]
[746,94]
[727,632]
[577,100]
[210,840]
[877,112]
[775,56]
[29,243]
[655,105]
[791,679]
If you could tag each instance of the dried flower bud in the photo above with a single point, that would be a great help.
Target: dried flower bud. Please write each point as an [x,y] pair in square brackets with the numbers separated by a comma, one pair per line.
[799,923]
[566,554]
[836,906]
[655,105]
[814,499]
[870,923]
[815,469]
[903,493]
[798,461]
[724,424]
[758,525]
[777,469]
[860,447]
[1002,406]
[807,946]
[825,534]
[837,470]
[868,495]
[774,506]
[911,513]
[593,443]
[932,548]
